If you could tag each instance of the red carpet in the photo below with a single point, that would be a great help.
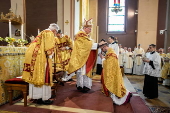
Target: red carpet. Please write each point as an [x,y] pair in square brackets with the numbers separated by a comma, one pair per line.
[69,97]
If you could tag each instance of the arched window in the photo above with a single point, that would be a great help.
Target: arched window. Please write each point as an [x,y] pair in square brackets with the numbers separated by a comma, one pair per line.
[116,16]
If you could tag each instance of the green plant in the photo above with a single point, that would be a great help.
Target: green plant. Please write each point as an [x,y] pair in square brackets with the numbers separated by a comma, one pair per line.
[22,41]
[1,39]
[9,40]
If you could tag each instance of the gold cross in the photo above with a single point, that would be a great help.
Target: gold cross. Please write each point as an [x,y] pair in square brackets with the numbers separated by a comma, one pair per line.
[146,32]
[67,22]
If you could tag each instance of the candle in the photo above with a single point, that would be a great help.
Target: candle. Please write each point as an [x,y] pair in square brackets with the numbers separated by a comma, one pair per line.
[10,28]
[22,31]
[38,31]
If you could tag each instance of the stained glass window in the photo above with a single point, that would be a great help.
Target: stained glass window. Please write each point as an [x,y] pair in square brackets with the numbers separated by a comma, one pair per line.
[116,20]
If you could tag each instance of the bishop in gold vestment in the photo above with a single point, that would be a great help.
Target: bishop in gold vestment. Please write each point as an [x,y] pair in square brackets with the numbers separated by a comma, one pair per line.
[80,55]
[38,64]
[112,80]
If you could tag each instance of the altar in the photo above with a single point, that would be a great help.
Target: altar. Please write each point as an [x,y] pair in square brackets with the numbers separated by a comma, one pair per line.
[11,65]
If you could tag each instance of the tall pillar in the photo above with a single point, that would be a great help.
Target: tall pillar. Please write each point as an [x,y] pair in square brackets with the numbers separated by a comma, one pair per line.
[93,13]
[60,14]
[167,32]
[76,16]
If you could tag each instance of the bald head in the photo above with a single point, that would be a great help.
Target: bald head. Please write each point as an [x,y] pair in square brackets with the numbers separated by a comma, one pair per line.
[161,50]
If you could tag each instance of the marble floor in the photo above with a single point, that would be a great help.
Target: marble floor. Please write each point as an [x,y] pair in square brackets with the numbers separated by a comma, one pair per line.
[163,99]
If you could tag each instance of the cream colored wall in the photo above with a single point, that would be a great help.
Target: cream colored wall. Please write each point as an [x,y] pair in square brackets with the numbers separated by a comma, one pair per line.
[93,13]
[17,7]
[76,16]
[67,17]
[147,22]
[89,9]
[60,14]
[65,13]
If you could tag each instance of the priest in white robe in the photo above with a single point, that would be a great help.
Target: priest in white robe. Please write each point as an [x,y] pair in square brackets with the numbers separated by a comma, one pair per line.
[113,44]
[128,61]
[120,58]
[138,63]
[152,70]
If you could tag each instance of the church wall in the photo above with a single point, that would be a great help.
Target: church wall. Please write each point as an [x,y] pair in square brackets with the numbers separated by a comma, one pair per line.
[161,23]
[39,15]
[60,11]
[147,22]
[5,5]
[129,38]
[93,13]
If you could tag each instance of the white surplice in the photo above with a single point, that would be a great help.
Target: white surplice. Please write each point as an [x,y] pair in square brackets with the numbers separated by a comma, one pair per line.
[120,58]
[128,65]
[99,60]
[43,92]
[115,48]
[149,70]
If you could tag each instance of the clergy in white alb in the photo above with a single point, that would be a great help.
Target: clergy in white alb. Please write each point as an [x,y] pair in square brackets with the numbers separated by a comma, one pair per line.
[128,61]
[138,63]
[120,58]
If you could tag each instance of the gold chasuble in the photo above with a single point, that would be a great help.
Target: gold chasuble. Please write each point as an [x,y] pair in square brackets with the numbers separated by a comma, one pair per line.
[112,77]
[38,66]
[63,56]
[166,67]
[81,50]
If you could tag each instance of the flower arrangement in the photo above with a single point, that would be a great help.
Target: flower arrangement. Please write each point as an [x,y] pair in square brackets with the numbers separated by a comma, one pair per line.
[22,41]
[9,40]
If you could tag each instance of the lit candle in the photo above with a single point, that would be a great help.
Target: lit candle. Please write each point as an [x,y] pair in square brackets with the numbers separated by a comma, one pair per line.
[38,31]
[9,28]
[22,31]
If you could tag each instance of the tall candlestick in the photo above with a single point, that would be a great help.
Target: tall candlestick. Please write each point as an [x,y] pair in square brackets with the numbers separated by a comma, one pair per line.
[38,31]
[22,31]
[10,28]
